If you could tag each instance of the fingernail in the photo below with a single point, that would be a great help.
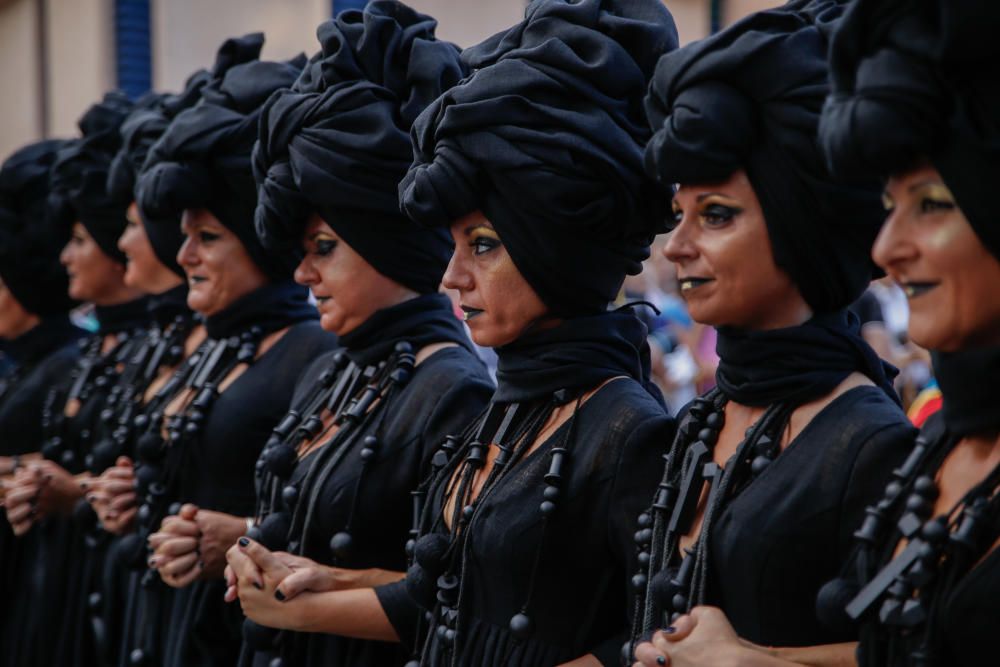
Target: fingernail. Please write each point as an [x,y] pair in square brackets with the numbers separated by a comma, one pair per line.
[151,562]
[669,631]
[244,542]
[278,595]
[660,660]
[258,586]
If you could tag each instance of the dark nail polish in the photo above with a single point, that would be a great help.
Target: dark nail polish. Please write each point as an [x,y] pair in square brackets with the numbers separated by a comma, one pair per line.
[258,586]
[669,631]
[244,542]
[279,596]
[660,660]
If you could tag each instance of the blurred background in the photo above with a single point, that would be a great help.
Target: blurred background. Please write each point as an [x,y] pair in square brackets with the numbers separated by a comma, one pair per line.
[59,56]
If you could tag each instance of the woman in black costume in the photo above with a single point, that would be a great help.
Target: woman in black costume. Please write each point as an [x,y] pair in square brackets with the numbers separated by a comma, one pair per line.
[39,338]
[914,96]
[770,472]
[49,493]
[335,481]
[200,447]
[534,162]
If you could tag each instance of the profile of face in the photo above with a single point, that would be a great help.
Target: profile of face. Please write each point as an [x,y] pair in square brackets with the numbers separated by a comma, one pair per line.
[928,247]
[498,303]
[143,270]
[93,275]
[14,319]
[218,267]
[725,266]
[348,290]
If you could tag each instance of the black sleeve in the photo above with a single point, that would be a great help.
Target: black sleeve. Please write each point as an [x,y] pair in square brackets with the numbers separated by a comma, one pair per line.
[460,403]
[867,308]
[640,467]
[401,610]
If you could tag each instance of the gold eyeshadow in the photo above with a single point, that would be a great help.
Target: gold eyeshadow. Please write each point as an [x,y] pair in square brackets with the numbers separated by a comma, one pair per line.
[483,230]
[935,191]
[718,200]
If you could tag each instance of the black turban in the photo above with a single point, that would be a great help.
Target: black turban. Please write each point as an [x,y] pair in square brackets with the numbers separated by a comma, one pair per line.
[143,127]
[29,245]
[919,81]
[203,158]
[545,138]
[80,174]
[750,98]
[338,142]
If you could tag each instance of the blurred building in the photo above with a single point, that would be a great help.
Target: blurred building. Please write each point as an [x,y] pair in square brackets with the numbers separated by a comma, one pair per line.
[59,56]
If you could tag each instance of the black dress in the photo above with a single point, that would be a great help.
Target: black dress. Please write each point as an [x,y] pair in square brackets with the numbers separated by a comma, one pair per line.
[580,598]
[790,530]
[54,550]
[372,497]
[218,468]
[42,357]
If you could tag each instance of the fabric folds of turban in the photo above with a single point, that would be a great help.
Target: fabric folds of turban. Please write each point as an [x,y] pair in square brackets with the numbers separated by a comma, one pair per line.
[545,138]
[80,174]
[29,245]
[918,81]
[202,160]
[338,143]
[750,98]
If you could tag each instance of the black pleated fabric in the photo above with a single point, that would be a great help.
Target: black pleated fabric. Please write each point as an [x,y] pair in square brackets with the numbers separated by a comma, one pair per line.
[202,160]
[749,97]
[29,244]
[545,138]
[78,185]
[917,81]
[967,379]
[338,142]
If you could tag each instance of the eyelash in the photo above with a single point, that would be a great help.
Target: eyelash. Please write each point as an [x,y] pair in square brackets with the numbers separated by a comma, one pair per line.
[324,248]
[482,245]
[207,237]
[928,205]
[717,215]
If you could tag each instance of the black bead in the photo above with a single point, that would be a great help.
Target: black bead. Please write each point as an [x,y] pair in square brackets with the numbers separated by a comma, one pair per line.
[290,496]
[467,512]
[429,551]
[643,558]
[412,663]
[547,507]
[281,461]
[521,626]
[340,545]
[643,536]
[715,421]
[759,464]
[925,486]
[175,508]
[367,454]
[679,602]
[645,521]
[370,441]
[410,544]
[144,514]
[708,436]
[935,531]
[400,376]
[639,582]
[551,493]
[274,530]
[94,601]
[277,662]
[138,658]
[918,505]
[893,490]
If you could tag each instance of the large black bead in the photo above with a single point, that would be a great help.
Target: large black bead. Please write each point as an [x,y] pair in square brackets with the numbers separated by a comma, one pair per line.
[102,456]
[340,545]
[521,626]
[429,552]
[420,586]
[274,530]
[149,447]
[935,531]
[759,465]
[290,496]
[281,461]
[715,421]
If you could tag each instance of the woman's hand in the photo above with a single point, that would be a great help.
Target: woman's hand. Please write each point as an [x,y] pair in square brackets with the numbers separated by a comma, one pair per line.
[704,638]
[113,497]
[176,554]
[217,532]
[254,574]
[38,490]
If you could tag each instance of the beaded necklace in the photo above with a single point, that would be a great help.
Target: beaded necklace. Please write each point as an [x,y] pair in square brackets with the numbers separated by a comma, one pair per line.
[665,588]
[439,550]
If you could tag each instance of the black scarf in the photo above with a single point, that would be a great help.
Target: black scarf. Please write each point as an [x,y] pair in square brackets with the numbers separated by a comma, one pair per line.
[271,307]
[122,317]
[799,364]
[421,321]
[48,336]
[579,354]
[164,307]
[968,381]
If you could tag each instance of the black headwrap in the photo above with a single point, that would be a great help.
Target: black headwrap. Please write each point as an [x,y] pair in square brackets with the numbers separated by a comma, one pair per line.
[143,127]
[79,176]
[338,143]
[918,80]
[29,245]
[750,97]
[203,158]
[545,138]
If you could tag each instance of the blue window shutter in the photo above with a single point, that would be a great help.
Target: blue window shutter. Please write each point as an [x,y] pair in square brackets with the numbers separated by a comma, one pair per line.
[132,47]
[337,6]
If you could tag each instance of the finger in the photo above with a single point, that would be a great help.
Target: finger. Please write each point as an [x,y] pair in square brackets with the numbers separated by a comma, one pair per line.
[116,487]
[122,502]
[264,558]
[246,571]
[678,630]
[231,594]
[178,566]
[229,575]
[297,582]
[123,462]
[21,494]
[648,655]
[186,579]
[175,525]
[188,511]
[19,513]
[178,546]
